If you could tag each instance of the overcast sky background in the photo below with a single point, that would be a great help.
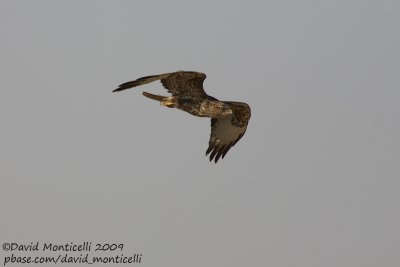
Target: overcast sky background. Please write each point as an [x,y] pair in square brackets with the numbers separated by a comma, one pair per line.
[314,182]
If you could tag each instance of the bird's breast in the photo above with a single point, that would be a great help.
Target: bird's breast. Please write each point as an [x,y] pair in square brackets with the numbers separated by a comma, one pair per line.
[191,106]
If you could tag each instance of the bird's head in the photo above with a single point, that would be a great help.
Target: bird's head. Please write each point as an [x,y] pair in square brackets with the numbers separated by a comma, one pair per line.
[214,109]
[222,109]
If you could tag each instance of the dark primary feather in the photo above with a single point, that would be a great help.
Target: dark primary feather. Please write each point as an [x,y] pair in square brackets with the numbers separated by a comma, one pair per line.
[140,81]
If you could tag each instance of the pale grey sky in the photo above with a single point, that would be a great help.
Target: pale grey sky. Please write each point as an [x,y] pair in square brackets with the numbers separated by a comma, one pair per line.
[314,182]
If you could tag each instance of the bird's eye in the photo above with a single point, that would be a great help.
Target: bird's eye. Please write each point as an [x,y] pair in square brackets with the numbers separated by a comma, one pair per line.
[223,108]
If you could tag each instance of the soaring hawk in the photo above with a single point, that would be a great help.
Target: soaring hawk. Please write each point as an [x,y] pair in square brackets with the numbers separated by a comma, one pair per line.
[228,119]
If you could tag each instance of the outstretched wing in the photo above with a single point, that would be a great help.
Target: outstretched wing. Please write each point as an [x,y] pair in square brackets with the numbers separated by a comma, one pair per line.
[180,83]
[226,132]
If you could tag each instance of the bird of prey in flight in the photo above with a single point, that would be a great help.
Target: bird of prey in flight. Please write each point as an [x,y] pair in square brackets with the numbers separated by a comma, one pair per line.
[228,119]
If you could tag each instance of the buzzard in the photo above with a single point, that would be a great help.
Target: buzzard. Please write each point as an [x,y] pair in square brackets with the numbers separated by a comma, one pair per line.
[228,119]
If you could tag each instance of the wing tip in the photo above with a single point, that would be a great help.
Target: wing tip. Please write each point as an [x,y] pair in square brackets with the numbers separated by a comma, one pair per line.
[124,86]
[216,153]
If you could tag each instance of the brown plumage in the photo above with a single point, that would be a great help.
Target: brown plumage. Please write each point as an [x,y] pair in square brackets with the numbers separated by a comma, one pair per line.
[228,119]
